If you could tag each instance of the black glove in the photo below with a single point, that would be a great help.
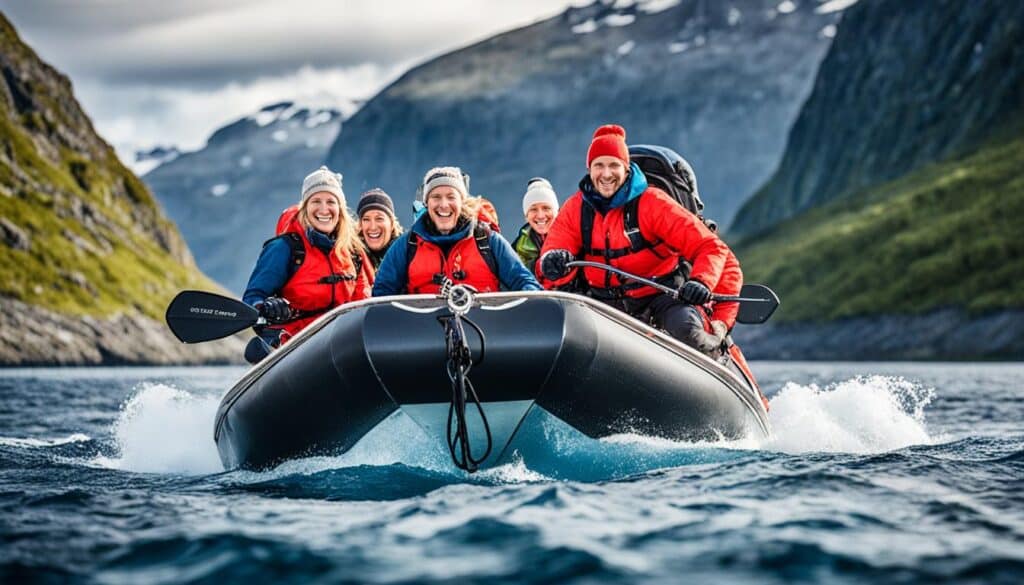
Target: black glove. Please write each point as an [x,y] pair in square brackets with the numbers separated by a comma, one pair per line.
[275,309]
[694,292]
[553,264]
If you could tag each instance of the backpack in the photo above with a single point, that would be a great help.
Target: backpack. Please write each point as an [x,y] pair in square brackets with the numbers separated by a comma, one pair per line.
[668,171]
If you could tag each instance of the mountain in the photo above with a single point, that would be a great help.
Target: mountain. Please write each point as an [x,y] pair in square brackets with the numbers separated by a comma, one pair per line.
[226,197]
[904,85]
[88,262]
[720,81]
[147,160]
[910,247]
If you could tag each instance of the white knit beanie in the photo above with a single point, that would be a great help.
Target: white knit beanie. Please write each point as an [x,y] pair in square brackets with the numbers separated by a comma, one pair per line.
[450,176]
[539,190]
[323,179]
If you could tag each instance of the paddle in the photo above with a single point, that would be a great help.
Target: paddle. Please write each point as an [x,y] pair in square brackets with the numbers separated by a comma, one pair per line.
[196,316]
[757,302]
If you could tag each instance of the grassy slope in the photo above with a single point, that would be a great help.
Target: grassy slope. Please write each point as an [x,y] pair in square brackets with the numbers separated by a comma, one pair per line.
[123,267]
[947,235]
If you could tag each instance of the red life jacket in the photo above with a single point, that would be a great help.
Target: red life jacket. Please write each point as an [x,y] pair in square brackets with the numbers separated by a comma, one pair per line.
[610,242]
[320,281]
[465,264]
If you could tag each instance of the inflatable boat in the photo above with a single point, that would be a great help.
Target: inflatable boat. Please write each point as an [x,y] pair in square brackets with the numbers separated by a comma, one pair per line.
[469,371]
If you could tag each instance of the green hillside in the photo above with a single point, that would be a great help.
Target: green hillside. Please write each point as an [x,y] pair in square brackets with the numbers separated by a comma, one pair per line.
[949,234]
[79,233]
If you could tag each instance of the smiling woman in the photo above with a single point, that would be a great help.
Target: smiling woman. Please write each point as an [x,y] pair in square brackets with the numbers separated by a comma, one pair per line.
[448,237]
[317,263]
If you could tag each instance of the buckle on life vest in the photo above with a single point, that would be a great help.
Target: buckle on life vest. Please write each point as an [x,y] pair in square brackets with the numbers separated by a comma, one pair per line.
[459,275]
[334,279]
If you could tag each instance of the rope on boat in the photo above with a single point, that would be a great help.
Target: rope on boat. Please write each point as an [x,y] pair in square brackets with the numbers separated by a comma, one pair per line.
[458,365]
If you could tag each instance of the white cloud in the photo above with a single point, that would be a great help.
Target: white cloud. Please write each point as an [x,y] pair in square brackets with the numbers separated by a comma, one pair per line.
[141,117]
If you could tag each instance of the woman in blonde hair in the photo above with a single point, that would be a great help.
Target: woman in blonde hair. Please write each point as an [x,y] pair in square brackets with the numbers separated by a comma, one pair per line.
[317,263]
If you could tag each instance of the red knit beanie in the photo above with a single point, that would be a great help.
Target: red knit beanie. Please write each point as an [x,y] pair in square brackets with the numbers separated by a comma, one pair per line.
[609,140]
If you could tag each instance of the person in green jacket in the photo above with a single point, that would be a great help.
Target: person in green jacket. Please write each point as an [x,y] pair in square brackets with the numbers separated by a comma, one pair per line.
[540,206]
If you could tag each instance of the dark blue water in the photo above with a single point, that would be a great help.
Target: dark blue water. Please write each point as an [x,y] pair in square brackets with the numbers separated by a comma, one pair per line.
[875,473]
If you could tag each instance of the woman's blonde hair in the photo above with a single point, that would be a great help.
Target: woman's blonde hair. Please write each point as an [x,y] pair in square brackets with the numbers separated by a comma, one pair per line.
[347,243]
[471,207]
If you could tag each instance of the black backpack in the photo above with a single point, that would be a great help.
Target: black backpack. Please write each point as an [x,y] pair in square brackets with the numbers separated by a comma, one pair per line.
[668,171]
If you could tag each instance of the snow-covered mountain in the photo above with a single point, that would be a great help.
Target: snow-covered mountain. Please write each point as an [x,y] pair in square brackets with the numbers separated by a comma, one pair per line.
[721,81]
[225,197]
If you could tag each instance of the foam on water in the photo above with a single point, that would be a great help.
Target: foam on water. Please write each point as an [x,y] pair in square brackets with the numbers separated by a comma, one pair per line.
[162,429]
[863,415]
[31,442]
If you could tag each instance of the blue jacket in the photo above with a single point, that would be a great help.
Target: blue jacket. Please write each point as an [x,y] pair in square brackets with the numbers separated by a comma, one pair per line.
[392,276]
[273,267]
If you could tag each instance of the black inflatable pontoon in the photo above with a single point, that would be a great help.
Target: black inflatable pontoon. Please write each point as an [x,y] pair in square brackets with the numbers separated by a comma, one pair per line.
[594,368]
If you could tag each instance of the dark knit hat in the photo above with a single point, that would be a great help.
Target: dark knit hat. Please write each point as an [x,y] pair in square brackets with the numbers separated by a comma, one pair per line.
[609,140]
[375,198]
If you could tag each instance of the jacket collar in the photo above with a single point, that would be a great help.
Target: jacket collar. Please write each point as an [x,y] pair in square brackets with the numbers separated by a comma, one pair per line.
[424,228]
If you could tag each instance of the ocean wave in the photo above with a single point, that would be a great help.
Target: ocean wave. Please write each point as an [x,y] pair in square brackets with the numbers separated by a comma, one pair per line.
[34,442]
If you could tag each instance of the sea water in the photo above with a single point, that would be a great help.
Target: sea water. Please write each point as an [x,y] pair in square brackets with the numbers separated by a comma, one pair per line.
[874,473]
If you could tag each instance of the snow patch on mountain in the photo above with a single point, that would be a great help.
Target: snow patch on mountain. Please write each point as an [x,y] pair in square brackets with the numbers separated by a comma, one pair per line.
[147,160]
[834,6]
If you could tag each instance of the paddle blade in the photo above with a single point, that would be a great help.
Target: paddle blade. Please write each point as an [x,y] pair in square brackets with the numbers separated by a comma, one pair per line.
[196,316]
[762,304]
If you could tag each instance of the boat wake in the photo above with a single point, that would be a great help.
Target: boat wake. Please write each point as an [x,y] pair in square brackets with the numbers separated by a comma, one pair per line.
[162,429]
[863,415]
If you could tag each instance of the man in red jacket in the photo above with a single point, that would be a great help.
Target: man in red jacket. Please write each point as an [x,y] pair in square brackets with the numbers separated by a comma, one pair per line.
[612,188]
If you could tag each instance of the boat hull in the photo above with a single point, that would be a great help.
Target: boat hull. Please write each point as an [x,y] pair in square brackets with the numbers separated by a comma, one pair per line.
[597,370]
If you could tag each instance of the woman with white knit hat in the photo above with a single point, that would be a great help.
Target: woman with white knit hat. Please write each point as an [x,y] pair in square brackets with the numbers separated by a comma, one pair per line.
[540,207]
[316,263]
[447,243]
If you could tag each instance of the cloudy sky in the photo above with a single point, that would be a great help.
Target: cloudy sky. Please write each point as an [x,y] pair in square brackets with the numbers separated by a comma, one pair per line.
[169,72]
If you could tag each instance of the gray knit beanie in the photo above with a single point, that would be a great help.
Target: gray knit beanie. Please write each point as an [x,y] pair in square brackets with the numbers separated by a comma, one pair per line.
[323,179]
[450,176]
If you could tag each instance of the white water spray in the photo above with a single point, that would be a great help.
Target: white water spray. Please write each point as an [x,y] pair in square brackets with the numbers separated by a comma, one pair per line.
[162,429]
[862,415]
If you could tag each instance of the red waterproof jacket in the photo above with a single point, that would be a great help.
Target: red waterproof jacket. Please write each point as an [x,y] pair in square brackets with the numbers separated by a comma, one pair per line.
[729,284]
[675,231]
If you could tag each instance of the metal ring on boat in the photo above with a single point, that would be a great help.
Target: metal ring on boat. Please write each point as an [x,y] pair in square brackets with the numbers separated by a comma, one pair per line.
[460,299]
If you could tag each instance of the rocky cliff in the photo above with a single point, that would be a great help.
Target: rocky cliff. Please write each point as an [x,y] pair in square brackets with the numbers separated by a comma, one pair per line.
[88,261]
[719,81]
[226,196]
[900,192]
[904,84]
